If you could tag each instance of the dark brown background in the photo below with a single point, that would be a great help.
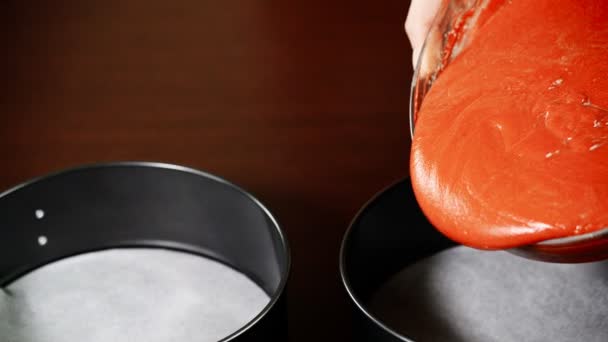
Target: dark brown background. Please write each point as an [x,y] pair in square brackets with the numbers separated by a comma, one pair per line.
[302,103]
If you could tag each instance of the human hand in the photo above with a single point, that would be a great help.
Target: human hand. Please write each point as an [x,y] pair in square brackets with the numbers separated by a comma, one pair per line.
[419,20]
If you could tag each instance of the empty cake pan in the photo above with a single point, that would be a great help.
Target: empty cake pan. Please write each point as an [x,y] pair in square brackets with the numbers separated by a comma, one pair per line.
[139,251]
[407,282]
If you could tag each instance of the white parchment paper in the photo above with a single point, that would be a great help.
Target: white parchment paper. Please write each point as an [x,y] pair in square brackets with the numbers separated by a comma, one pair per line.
[147,295]
[464,294]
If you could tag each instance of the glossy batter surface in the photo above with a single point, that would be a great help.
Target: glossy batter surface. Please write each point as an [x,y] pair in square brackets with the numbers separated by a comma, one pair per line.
[511,142]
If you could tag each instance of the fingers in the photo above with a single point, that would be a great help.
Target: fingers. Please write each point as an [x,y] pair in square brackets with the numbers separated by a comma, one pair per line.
[418,22]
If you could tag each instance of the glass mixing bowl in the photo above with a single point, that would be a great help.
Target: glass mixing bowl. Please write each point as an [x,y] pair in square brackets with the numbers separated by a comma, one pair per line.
[447,37]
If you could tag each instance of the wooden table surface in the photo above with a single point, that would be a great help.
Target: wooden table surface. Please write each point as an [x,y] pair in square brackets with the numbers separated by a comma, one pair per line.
[303,103]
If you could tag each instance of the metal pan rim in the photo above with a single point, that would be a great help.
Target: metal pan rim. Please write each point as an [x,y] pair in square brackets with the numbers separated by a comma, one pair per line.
[286,251]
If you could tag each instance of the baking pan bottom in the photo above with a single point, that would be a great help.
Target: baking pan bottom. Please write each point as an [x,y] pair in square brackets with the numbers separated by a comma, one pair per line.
[463,294]
[120,294]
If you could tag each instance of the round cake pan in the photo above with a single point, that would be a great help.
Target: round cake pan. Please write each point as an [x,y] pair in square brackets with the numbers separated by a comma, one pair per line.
[164,219]
[408,282]
[387,234]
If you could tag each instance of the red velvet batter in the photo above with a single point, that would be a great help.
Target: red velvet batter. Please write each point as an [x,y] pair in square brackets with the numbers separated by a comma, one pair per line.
[511,142]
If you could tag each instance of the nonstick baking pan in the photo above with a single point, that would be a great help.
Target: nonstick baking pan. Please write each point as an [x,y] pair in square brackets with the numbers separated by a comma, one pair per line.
[138,251]
[407,282]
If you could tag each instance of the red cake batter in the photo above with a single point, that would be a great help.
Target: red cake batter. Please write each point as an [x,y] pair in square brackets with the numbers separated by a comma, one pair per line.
[511,142]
